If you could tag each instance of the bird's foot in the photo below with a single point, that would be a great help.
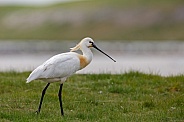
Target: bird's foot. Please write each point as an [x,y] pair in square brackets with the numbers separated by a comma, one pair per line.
[37,112]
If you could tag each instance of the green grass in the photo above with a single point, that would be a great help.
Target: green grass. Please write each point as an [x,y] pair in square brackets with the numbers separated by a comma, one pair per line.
[128,97]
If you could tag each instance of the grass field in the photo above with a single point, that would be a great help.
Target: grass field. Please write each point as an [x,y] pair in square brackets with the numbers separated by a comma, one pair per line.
[129,97]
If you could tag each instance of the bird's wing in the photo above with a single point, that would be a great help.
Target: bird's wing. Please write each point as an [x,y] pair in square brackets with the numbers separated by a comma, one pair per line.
[59,66]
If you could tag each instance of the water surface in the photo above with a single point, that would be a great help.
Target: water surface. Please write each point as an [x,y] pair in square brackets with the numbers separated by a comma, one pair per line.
[164,58]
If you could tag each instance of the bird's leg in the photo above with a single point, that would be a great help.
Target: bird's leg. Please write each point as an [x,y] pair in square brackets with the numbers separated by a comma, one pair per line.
[60,99]
[43,93]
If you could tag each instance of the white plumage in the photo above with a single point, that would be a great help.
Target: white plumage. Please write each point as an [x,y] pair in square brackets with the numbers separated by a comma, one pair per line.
[57,68]
[61,66]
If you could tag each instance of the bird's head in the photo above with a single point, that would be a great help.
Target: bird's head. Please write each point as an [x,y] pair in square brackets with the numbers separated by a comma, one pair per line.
[88,42]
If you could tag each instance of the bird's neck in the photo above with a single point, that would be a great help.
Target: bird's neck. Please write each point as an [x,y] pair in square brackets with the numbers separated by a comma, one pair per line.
[87,54]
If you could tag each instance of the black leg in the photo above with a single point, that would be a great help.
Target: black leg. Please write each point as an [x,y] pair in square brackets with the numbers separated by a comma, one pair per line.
[43,93]
[60,99]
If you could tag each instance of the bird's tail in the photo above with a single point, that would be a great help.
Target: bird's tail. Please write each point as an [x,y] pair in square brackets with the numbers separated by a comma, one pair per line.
[35,74]
[28,80]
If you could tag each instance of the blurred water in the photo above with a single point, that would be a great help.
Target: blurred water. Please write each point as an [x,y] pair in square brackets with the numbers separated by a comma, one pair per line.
[158,57]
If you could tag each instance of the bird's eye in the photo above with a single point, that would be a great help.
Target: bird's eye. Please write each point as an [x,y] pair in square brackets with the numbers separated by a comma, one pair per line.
[91,42]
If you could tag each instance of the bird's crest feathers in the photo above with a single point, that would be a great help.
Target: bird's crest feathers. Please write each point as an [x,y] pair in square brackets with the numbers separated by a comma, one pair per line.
[77,47]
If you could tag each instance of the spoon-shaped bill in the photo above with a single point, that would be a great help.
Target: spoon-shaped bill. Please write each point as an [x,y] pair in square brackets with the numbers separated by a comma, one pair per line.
[102,52]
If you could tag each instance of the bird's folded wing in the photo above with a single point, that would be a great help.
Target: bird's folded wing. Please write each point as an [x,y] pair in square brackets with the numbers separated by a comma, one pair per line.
[59,66]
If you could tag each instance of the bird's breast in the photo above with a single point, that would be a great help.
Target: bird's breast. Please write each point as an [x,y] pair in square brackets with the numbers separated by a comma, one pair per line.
[83,61]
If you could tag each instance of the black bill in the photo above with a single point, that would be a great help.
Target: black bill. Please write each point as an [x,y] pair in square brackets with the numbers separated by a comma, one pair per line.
[102,52]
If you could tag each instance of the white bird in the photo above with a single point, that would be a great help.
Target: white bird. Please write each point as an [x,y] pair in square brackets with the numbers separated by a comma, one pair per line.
[61,66]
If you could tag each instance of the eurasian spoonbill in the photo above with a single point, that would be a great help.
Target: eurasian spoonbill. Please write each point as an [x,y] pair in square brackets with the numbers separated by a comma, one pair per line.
[61,66]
